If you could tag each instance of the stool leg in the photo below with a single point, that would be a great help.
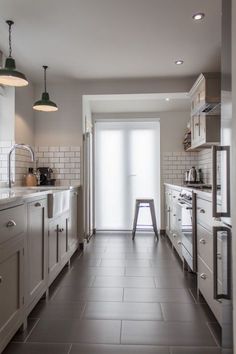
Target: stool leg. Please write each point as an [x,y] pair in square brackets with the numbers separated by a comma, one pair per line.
[135,219]
[153,215]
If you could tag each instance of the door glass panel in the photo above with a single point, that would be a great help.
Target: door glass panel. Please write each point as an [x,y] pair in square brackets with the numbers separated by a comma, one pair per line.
[127,166]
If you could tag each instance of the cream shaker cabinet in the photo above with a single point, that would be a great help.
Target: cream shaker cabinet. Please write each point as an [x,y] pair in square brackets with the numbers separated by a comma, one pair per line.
[73,222]
[11,272]
[205,118]
[36,250]
[58,249]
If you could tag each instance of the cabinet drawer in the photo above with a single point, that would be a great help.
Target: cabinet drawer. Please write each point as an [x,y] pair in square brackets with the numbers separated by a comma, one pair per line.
[204,213]
[12,222]
[205,245]
[205,285]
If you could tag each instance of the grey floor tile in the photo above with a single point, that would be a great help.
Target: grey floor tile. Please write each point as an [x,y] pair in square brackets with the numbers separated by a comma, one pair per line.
[76,331]
[166,333]
[182,350]
[158,295]
[102,271]
[20,335]
[125,262]
[117,349]
[124,282]
[76,279]
[89,262]
[54,310]
[68,293]
[37,348]
[123,311]
[151,271]
[174,281]
[186,312]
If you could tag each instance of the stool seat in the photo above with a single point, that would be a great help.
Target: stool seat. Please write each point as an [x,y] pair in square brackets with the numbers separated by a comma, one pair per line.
[145,203]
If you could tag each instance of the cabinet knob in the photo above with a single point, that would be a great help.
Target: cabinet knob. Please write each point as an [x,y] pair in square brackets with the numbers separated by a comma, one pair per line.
[37,204]
[179,243]
[203,276]
[11,223]
[174,214]
[61,230]
[179,219]
[202,211]
[203,241]
[219,256]
[174,235]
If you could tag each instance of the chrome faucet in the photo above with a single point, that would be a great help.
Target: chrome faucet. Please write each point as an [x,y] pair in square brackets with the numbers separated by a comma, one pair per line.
[14,147]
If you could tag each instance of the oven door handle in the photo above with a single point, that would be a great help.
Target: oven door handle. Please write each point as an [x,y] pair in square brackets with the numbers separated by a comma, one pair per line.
[185,206]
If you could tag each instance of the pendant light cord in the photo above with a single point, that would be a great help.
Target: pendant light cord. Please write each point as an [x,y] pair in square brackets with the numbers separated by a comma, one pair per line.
[45,78]
[10,23]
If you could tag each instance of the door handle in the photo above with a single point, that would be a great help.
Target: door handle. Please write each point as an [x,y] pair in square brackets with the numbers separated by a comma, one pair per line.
[215,213]
[225,294]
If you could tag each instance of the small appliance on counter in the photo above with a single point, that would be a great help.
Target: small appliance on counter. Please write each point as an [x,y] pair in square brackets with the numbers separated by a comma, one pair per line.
[31,178]
[193,176]
[46,176]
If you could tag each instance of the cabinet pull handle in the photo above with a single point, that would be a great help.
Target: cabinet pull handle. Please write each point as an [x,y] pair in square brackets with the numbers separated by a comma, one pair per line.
[37,204]
[202,211]
[11,223]
[203,241]
[1,279]
[219,256]
[179,243]
[174,214]
[203,276]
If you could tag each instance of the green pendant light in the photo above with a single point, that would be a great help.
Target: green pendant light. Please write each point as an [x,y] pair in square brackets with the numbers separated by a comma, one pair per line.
[9,76]
[45,104]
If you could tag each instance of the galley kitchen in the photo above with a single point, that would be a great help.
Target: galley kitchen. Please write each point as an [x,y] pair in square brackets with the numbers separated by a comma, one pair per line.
[117,177]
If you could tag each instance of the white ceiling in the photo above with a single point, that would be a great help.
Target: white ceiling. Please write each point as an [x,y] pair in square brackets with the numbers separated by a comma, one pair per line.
[112,38]
[178,102]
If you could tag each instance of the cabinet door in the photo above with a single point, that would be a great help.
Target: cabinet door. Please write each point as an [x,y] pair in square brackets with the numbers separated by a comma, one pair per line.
[73,221]
[63,237]
[36,248]
[53,249]
[195,130]
[11,288]
[202,128]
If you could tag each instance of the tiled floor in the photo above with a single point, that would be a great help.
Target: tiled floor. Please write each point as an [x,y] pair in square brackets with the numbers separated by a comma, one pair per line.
[121,297]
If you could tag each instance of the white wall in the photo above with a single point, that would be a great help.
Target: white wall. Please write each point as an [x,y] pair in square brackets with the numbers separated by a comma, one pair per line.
[65,125]
[7,114]
[24,115]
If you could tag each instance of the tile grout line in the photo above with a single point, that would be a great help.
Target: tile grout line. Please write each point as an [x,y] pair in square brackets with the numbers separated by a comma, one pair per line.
[70,349]
[30,332]
[213,335]
[121,326]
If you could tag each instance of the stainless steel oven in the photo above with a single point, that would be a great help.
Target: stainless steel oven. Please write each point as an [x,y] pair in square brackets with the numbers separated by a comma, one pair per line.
[187,227]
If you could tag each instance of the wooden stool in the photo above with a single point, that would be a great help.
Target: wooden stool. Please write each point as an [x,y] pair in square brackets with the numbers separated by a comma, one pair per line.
[145,203]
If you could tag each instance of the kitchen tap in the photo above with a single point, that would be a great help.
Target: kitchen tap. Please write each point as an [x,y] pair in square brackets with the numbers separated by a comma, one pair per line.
[14,147]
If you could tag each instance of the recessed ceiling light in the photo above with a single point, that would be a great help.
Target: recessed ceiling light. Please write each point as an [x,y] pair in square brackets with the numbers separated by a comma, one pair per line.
[179,62]
[167,99]
[198,16]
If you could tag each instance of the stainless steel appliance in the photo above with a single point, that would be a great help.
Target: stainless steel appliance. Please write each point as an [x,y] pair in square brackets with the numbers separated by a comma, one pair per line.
[192,175]
[46,176]
[187,227]
[222,160]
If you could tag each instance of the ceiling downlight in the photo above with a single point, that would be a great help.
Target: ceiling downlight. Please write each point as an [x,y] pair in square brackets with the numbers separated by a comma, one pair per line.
[198,16]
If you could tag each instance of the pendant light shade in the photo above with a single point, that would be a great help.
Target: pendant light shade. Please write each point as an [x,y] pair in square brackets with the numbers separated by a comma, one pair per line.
[9,76]
[45,104]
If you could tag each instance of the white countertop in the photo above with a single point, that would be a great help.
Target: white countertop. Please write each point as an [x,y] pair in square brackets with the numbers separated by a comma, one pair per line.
[20,194]
[203,193]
